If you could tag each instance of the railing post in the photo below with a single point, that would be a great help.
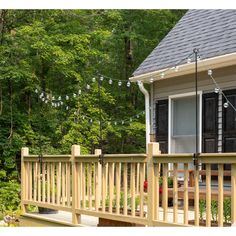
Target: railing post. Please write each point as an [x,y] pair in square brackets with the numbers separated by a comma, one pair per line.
[75,151]
[98,180]
[233,194]
[153,149]
[24,152]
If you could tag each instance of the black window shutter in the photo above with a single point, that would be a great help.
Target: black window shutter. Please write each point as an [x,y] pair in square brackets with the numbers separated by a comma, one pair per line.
[162,124]
[229,123]
[209,122]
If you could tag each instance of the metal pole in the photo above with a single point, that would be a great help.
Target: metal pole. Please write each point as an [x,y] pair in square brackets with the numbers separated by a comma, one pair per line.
[195,159]
[100,113]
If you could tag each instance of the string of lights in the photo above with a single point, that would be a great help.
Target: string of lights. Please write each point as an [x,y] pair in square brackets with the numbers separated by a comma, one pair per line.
[176,66]
[219,90]
[110,122]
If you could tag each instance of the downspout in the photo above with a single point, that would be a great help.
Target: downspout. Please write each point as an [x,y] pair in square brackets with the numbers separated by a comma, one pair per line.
[147,112]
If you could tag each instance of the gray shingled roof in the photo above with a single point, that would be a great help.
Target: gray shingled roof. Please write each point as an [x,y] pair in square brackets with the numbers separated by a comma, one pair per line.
[212,31]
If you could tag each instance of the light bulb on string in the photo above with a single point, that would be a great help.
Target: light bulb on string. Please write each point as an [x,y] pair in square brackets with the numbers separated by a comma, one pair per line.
[101,78]
[36,91]
[217,90]
[226,105]
[46,101]
[209,72]
[67,97]
[119,83]
[110,81]
[74,95]
[59,98]
[93,79]
[58,104]
[79,91]
[115,123]
[61,102]
[91,121]
[53,98]
[151,80]
[43,99]
[128,84]
[88,86]
[67,108]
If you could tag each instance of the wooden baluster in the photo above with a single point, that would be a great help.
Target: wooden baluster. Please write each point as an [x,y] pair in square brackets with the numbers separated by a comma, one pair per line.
[68,183]
[53,182]
[104,167]
[35,180]
[118,167]
[208,195]
[89,192]
[137,177]
[156,191]
[27,170]
[175,194]
[125,177]
[186,177]
[39,181]
[43,182]
[58,183]
[141,169]
[79,184]
[165,192]
[111,185]
[196,197]
[132,188]
[83,186]
[30,181]
[63,183]
[48,183]
[220,194]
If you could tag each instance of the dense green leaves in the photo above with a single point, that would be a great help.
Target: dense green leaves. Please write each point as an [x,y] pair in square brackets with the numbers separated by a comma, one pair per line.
[59,52]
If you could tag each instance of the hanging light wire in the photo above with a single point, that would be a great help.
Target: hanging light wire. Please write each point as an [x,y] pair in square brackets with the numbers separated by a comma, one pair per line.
[220,90]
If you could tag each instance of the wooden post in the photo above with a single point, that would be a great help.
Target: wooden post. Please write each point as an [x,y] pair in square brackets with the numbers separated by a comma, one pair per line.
[233,194]
[24,152]
[153,149]
[75,151]
[196,197]
[98,180]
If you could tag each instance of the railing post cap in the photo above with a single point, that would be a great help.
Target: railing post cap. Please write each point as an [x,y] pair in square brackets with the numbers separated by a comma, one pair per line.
[75,150]
[153,148]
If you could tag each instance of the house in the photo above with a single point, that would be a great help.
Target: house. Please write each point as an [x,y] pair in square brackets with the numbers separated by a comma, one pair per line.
[170,72]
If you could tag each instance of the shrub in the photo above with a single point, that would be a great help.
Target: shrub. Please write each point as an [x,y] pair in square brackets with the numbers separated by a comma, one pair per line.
[202,208]
[9,196]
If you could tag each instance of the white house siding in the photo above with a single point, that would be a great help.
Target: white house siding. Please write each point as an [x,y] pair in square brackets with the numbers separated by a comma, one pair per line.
[225,77]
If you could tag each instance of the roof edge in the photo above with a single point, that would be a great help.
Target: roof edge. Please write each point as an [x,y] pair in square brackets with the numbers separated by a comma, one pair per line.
[188,68]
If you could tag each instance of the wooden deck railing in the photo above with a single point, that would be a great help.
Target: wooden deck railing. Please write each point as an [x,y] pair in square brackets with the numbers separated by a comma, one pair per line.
[110,186]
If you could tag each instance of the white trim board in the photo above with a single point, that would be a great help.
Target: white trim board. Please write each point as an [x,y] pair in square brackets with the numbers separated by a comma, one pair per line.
[170,108]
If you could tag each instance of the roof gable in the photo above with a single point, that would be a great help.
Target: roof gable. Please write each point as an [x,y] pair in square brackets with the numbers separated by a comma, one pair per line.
[213,32]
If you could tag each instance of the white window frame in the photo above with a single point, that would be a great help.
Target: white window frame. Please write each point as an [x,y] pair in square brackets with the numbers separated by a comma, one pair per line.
[170,121]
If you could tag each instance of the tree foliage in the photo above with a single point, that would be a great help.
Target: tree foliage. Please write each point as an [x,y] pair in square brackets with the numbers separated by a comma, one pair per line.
[59,52]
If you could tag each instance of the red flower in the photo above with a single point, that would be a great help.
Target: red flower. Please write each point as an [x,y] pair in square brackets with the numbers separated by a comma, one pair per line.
[145,187]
